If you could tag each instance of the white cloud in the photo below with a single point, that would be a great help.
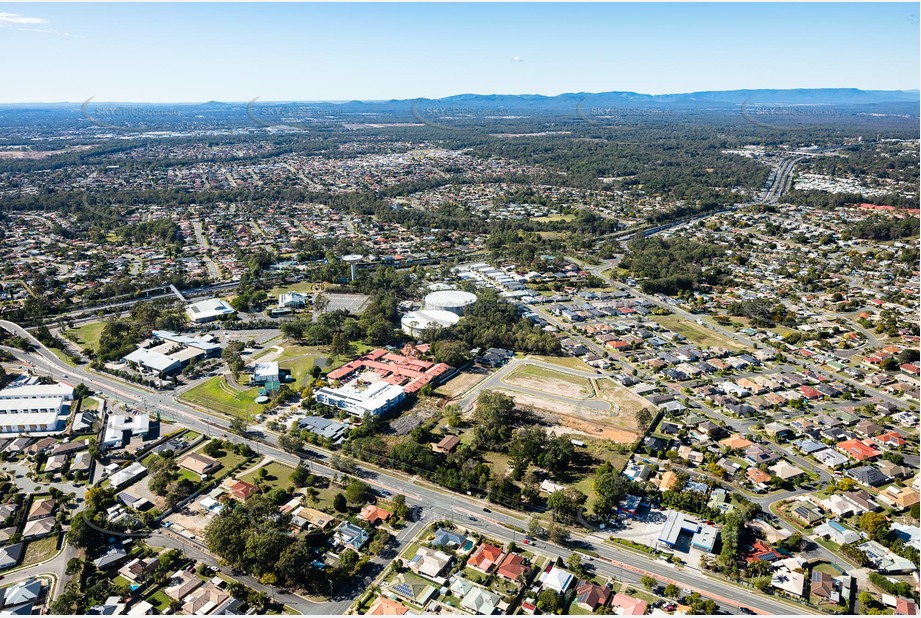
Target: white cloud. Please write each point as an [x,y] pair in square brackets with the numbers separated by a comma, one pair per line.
[517,59]
[15,18]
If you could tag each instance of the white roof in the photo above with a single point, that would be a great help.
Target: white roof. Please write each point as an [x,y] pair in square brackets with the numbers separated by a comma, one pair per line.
[558,579]
[210,308]
[38,390]
[31,405]
[266,370]
[370,399]
[152,360]
[126,474]
[120,423]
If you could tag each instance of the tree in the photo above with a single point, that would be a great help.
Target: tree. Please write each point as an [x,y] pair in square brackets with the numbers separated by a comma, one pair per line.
[292,444]
[574,563]
[400,509]
[565,503]
[874,524]
[548,601]
[357,491]
[450,351]
[672,591]
[644,418]
[536,528]
[339,503]
[648,582]
[214,448]
[558,533]
[300,475]
[494,417]
[238,426]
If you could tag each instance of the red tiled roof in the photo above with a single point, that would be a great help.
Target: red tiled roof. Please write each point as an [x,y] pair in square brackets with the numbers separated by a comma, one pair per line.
[512,566]
[485,557]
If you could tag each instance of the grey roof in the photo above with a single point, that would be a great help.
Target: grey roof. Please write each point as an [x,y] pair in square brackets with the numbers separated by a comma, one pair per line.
[12,553]
[111,557]
[23,592]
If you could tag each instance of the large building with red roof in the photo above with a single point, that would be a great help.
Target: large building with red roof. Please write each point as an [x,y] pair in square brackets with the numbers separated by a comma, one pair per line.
[379,381]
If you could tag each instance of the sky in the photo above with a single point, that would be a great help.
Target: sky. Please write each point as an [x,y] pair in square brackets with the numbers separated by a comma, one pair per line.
[178,52]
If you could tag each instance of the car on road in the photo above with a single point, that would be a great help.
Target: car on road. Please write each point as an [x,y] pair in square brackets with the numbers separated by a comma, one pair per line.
[283,591]
[746,610]
[486,510]
[471,518]
[384,492]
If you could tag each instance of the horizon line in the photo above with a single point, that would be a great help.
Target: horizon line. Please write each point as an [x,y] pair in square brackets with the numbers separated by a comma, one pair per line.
[462,94]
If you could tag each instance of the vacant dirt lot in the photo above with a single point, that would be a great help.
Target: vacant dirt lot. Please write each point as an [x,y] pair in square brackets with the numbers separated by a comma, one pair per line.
[626,404]
[462,382]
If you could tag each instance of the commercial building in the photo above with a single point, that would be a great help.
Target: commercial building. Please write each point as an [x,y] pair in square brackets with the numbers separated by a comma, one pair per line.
[166,352]
[359,400]
[120,428]
[209,310]
[27,406]
[292,300]
[703,536]
[406,371]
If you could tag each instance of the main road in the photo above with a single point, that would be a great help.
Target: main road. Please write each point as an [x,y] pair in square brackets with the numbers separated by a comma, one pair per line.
[612,561]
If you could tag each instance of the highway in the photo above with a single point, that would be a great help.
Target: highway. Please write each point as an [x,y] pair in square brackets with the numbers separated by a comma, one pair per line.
[435,502]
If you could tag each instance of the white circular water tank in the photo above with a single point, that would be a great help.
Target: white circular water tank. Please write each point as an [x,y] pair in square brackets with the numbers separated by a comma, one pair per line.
[416,323]
[455,301]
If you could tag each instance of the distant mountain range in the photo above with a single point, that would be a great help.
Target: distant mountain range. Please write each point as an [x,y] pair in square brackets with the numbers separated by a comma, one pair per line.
[691,100]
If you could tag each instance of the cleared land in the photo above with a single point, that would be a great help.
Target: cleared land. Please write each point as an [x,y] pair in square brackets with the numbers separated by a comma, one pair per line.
[41,550]
[696,333]
[570,362]
[627,403]
[86,336]
[462,382]
[551,218]
[551,382]
[216,394]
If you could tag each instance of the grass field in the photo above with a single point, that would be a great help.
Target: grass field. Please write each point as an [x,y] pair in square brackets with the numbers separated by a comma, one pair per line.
[215,394]
[552,218]
[696,333]
[41,550]
[86,336]
[62,356]
[279,475]
[300,360]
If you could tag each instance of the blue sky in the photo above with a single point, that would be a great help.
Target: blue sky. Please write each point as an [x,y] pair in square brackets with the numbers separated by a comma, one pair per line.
[236,52]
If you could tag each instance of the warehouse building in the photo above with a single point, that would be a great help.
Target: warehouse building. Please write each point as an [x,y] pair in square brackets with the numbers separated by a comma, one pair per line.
[27,406]
[209,310]
[166,352]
